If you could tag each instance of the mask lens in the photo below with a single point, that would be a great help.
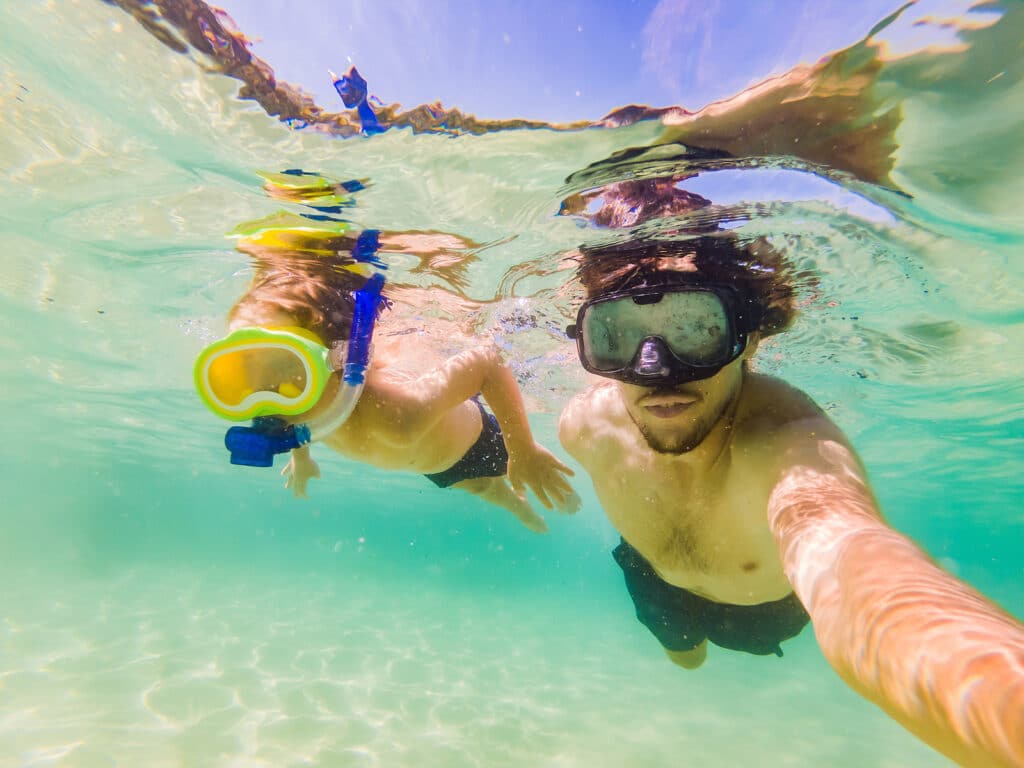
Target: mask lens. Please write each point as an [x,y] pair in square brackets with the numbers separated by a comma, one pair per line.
[694,324]
[611,333]
[695,327]
[237,374]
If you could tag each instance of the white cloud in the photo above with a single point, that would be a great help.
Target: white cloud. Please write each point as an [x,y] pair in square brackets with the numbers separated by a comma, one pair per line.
[677,41]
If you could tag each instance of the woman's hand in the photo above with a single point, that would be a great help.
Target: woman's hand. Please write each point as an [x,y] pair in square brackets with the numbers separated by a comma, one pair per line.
[299,470]
[534,467]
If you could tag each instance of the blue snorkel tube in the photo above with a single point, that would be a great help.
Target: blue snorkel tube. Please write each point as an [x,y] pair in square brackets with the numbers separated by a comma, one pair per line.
[363,320]
[268,436]
[352,89]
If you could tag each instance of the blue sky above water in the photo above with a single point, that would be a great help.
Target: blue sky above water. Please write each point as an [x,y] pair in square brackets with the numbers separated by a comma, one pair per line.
[573,60]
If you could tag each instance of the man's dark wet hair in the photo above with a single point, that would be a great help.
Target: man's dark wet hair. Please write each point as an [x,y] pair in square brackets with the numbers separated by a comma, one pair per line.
[754,268]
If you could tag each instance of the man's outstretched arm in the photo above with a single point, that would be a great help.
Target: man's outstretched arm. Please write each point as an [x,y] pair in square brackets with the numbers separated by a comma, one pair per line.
[936,655]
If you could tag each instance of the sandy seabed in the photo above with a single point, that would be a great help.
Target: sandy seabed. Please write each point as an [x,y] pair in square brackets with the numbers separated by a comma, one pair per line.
[163,667]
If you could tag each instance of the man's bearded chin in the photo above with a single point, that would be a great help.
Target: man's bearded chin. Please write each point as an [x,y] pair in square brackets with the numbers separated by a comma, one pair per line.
[674,445]
[679,441]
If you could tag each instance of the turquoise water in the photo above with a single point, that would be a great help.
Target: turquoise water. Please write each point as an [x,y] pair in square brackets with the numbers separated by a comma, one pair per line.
[164,608]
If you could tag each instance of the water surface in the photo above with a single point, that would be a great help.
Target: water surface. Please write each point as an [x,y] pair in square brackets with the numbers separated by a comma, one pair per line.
[165,608]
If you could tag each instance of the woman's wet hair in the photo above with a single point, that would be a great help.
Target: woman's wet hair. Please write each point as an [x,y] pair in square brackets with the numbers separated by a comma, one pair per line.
[753,267]
[316,292]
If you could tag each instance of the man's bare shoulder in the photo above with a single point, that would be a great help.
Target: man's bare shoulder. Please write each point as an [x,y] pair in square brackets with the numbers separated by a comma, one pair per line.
[780,427]
[587,416]
[773,410]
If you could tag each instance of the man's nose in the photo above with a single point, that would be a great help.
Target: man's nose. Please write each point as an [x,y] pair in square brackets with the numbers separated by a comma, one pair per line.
[651,361]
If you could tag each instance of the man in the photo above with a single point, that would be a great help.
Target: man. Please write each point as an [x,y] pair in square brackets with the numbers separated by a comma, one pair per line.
[741,505]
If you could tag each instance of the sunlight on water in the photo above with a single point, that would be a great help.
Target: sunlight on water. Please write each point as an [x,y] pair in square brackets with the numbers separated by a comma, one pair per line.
[169,609]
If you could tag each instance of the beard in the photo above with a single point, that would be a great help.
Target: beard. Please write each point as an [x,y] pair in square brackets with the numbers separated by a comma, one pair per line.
[680,439]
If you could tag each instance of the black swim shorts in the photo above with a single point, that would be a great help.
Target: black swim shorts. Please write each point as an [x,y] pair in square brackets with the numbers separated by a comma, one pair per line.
[486,458]
[682,620]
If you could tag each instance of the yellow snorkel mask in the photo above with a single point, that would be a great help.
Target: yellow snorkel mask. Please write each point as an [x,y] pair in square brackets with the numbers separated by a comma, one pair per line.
[265,373]
[262,372]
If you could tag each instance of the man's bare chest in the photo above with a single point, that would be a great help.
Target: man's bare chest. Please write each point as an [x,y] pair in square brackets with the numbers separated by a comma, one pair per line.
[706,533]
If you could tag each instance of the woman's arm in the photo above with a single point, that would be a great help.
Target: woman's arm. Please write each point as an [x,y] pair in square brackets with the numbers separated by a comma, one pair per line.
[420,403]
[480,370]
[936,655]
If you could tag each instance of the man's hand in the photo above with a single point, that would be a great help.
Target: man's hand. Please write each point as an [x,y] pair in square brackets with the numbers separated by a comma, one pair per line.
[535,468]
[299,470]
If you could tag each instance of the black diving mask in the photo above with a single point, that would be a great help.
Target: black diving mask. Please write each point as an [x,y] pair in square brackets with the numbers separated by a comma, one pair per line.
[662,336]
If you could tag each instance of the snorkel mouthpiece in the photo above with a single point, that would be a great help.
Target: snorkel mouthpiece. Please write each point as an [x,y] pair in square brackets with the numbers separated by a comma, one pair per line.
[268,436]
